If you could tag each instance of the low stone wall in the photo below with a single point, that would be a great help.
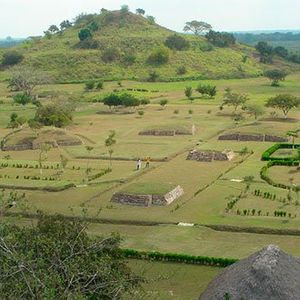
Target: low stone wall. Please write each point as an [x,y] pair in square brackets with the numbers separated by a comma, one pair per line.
[251,137]
[17,147]
[148,200]
[164,132]
[209,156]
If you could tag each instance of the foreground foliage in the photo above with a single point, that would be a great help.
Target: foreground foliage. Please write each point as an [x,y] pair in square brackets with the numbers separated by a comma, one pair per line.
[58,260]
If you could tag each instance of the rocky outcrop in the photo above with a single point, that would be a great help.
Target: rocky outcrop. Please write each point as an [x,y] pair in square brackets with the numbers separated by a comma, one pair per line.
[148,200]
[209,156]
[252,137]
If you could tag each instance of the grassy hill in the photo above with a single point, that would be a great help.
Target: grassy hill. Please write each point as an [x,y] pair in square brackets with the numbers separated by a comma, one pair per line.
[66,59]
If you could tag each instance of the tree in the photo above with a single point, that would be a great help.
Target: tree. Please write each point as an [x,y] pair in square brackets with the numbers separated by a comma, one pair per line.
[163,103]
[281,52]
[140,11]
[53,29]
[159,56]
[177,42]
[234,99]
[124,9]
[197,27]
[151,20]
[276,76]
[63,161]
[255,110]
[284,102]
[62,261]
[109,143]
[293,135]
[58,114]
[44,148]
[65,25]
[84,34]
[26,79]
[189,92]
[220,39]
[248,181]
[266,52]
[12,57]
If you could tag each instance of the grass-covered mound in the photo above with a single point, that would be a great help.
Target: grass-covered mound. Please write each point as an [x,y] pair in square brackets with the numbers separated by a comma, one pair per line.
[122,47]
[27,139]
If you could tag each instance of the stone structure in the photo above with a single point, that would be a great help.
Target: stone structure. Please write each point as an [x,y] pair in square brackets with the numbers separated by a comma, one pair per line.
[148,200]
[269,274]
[252,137]
[165,132]
[209,156]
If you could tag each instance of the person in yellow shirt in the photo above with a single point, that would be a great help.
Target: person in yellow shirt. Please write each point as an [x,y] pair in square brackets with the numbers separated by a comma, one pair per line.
[148,162]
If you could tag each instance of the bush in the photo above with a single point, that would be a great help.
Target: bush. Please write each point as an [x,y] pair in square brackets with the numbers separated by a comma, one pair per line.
[129,59]
[208,90]
[100,85]
[89,85]
[159,56]
[176,42]
[124,99]
[11,58]
[110,55]
[84,34]
[153,76]
[181,70]
[22,98]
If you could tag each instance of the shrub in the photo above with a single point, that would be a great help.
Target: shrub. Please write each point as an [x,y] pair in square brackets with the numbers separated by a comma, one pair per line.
[84,34]
[181,70]
[89,85]
[176,42]
[208,90]
[153,76]
[129,59]
[110,55]
[159,56]
[100,85]
[22,98]
[11,58]
[141,113]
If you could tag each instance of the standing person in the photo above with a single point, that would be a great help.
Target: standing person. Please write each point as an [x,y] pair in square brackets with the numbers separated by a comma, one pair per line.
[139,164]
[148,162]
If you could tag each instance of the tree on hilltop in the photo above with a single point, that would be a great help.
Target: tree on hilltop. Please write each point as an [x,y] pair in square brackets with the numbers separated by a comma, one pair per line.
[197,27]
[140,11]
[53,29]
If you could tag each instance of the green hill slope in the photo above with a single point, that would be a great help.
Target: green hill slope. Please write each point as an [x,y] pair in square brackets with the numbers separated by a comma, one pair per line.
[130,35]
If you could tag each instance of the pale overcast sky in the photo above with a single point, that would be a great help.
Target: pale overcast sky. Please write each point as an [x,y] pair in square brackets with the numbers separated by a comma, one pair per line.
[22,18]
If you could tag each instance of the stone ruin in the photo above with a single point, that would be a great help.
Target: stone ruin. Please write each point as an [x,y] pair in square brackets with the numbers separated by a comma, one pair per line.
[148,200]
[252,137]
[209,156]
[165,132]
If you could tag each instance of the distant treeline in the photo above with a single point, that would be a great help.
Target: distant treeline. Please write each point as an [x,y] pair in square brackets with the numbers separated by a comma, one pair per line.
[10,42]
[252,38]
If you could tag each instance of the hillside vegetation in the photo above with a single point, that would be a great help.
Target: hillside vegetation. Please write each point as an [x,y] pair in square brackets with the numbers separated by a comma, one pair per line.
[120,47]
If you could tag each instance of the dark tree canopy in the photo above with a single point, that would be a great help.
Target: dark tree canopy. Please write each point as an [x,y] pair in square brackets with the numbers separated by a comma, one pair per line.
[56,259]
[12,57]
[221,39]
[140,11]
[121,99]
[65,24]
[265,51]
[176,42]
[197,27]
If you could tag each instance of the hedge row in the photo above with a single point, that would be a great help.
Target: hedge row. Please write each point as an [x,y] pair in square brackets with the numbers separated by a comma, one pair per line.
[179,258]
[267,155]
[264,172]
[100,174]
[38,188]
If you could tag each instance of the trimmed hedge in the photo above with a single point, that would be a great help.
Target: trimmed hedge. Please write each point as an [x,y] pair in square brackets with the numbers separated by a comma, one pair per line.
[179,258]
[264,172]
[266,156]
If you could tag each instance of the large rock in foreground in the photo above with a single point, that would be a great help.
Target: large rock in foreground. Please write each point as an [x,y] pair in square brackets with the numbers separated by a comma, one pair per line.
[269,274]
